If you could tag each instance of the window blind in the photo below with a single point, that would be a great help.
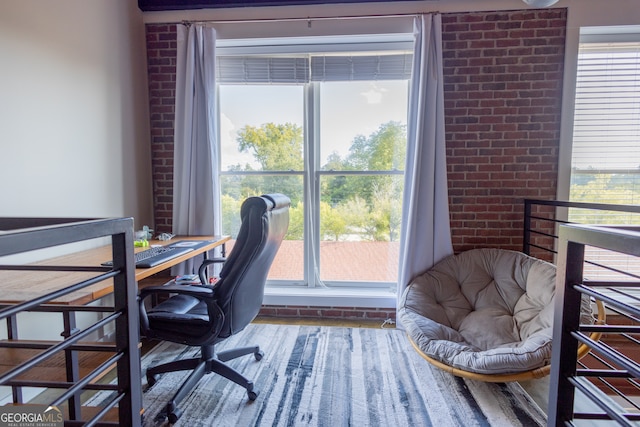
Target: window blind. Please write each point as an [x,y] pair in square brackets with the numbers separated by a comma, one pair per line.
[293,70]
[262,69]
[364,67]
[606,134]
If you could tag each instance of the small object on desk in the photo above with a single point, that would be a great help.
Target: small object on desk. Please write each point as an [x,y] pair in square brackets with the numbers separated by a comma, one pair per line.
[145,234]
[165,236]
[141,243]
[148,232]
[188,243]
[154,256]
[188,279]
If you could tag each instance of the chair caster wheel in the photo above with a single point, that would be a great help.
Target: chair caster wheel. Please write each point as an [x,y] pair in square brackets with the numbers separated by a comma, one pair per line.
[151,380]
[174,416]
[259,355]
[253,395]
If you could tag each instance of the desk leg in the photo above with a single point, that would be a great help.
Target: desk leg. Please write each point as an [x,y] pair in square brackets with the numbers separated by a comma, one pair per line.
[12,334]
[72,364]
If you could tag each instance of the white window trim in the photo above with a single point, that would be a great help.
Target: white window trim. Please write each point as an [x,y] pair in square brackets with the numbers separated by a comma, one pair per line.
[580,31]
[339,293]
[329,297]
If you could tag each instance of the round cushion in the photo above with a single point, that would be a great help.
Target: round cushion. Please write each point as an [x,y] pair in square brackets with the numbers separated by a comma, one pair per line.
[488,311]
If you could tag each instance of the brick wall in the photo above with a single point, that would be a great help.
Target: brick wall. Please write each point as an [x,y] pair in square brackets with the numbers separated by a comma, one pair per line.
[503,85]
[351,313]
[161,63]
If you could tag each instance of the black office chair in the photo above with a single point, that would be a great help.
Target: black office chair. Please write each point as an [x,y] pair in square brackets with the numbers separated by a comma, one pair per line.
[205,315]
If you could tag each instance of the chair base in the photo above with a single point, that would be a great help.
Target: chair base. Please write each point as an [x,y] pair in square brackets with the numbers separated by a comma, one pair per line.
[208,362]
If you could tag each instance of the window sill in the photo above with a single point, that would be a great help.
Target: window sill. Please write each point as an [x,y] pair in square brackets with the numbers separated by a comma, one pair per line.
[329,297]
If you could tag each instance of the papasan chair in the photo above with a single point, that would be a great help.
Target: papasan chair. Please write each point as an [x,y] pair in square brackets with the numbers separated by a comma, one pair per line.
[487,314]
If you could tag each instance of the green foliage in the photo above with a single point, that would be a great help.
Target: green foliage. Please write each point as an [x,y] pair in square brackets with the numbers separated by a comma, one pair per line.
[365,207]
[231,214]
[296,222]
[385,149]
[604,188]
[275,147]
[332,224]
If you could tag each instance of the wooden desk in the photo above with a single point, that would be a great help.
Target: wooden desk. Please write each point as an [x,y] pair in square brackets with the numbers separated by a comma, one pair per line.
[19,286]
[25,285]
[33,234]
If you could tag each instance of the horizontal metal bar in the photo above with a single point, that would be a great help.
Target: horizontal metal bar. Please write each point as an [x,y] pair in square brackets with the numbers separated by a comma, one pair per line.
[61,346]
[608,283]
[49,232]
[60,384]
[80,384]
[623,314]
[618,239]
[592,393]
[608,300]
[542,233]
[95,420]
[19,223]
[77,268]
[591,416]
[554,220]
[610,329]
[543,248]
[583,205]
[604,267]
[59,308]
[609,353]
[35,302]
[34,345]
[605,373]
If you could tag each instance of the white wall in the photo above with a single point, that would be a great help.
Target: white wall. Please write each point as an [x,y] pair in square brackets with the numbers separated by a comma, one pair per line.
[74,118]
[74,110]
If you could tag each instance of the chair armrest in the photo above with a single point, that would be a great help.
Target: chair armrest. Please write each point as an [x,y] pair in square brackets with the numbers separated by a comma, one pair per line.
[205,264]
[196,291]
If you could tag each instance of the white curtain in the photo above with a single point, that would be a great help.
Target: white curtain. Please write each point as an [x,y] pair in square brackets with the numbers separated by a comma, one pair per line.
[196,186]
[426,233]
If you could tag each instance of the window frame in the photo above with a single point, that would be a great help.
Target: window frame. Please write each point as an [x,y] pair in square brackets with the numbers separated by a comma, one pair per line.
[594,39]
[313,171]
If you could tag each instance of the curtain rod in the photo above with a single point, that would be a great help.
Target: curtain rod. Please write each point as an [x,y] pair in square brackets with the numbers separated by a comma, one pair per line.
[308,19]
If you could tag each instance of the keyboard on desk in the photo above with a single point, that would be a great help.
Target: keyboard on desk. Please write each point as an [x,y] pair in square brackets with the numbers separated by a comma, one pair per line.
[153,256]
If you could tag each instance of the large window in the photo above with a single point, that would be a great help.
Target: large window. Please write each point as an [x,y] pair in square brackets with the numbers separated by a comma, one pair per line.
[606,135]
[328,129]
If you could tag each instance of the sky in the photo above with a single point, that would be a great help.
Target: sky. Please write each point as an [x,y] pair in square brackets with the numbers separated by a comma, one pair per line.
[347,109]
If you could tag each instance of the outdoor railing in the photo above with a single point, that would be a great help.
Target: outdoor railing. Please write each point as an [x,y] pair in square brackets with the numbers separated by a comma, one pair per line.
[608,379]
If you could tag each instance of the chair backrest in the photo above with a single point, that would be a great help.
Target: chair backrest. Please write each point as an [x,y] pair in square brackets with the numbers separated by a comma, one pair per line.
[240,289]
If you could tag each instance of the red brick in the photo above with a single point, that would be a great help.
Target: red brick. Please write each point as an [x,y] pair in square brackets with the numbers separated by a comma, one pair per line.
[518,58]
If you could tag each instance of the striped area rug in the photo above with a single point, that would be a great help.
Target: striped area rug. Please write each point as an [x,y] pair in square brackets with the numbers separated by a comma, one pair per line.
[331,376]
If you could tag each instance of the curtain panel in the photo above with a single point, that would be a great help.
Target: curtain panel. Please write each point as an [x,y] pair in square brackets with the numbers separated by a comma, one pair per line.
[426,232]
[196,186]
